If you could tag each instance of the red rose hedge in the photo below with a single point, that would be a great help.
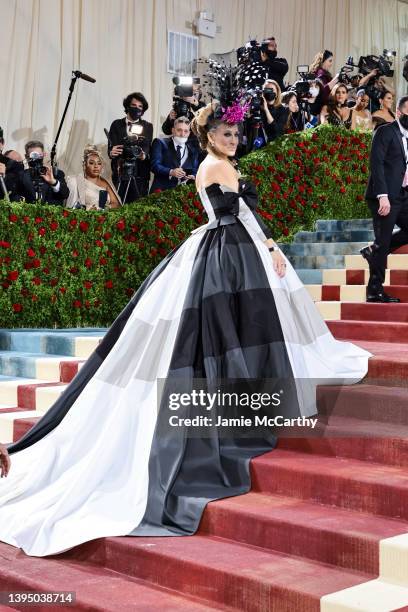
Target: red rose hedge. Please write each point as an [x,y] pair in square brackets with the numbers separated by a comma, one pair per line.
[69,268]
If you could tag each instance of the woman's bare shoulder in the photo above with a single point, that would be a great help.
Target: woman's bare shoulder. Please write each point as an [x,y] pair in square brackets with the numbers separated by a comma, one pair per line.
[217,171]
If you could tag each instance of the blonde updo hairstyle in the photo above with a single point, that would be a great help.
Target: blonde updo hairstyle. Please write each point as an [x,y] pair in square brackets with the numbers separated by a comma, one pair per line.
[204,121]
[89,151]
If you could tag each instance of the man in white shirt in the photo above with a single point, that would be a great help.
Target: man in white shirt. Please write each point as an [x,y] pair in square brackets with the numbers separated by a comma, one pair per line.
[387,198]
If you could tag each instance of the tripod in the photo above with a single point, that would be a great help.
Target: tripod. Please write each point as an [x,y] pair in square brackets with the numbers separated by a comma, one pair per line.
[127,178]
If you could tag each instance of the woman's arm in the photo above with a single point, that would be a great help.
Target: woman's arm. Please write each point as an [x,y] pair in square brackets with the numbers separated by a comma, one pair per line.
[323,115]
[353,120]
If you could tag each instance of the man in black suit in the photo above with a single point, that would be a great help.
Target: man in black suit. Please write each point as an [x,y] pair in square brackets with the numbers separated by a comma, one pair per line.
[132,130]
[39,183]
[387,198]
[10,167]
[175,159]
[277,67]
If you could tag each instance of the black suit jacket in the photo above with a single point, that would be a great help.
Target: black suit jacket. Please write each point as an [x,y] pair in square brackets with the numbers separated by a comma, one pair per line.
[117,132]
[387,162]
[13,169]
[164,159]
[25,189]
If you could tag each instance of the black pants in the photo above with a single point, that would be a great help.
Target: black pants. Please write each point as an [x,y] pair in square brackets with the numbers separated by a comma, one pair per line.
[385,241]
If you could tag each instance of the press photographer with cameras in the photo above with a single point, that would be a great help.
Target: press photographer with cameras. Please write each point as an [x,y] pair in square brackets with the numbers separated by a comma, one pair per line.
[129,143]
[320,68]
[39,182]
[186,101]
[175,160]
[10,166]
[277,67]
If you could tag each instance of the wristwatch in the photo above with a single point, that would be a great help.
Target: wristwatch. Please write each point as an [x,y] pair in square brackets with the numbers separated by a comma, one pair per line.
[273,248]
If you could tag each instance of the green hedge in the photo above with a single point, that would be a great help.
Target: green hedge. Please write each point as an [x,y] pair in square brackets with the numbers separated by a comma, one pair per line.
[72,268]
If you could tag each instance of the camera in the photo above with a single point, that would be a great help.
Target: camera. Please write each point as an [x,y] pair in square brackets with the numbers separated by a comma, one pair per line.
[382,63]
[184,89]
[251,52]
[302,85]
[256,103]
[35,165]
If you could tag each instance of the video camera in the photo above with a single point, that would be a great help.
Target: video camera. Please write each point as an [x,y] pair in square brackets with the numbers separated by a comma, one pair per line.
[381,63]
[36,166]
[250,53]
[184,89]
[302,85]
[131,150]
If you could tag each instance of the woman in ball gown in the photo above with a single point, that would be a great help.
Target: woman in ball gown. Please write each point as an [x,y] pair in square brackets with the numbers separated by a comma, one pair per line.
[91,190]
[225,304]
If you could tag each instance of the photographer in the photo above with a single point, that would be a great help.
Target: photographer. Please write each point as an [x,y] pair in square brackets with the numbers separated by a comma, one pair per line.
[129,146]
[320,69]
[274,116]
[38,183]
[183,106]
[277,67]
[174,160]
[10,167]
[296,119]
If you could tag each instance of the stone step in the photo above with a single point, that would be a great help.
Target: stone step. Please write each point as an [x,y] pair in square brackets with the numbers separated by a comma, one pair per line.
[310,276]
[318,262]
[359,235]
[334,225]
[298,249]
[358,277]
[352,293]
[70,342]
[394,262]
[32,365]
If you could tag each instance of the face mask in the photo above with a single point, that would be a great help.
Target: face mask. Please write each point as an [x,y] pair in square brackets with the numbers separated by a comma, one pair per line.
[404,121]
[134,113]
[180,140]
[271,54]
[269,94]
[314,91]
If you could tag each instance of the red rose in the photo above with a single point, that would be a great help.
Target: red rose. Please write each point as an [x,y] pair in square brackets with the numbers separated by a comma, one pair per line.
[160,224]
[83,226]
[17,307]
[53,225]
[5,244]
[65,213]
[58,244]
[74,253]
[36,280]
[107,235]
[41,231]
[103,261]
[74,270]
[46,270]
[109,284]
[42,250]
[153,252]
[360,198]
[88,284]
[315,206]
[13,275]
[99,243]
[13,218]
[73,222]
[62,289]
[129,291]
[157,190]
[76,304]
[38,220]
[101,219]
[34,298]
[285,231]
[53,282]
[30,252]
[88,262]
[36,263]
[342,189]
[53,298]
[121,224]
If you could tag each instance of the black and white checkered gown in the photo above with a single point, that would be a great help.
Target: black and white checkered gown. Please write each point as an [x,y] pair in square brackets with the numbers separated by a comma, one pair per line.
[99,463]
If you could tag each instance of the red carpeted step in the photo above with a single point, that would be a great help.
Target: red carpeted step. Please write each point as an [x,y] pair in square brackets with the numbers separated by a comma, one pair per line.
[374,312]
[26,396]
[331,293]
[68,370]
[369,402]
[403,250]
[346,483]
[399,277]
[21,426]
[355,277]
[243,577]
[95,588]
[12,409]
[329,535]
[399,291]
[377,331]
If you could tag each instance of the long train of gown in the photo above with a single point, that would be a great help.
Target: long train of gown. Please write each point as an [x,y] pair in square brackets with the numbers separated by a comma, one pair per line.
[97,463]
